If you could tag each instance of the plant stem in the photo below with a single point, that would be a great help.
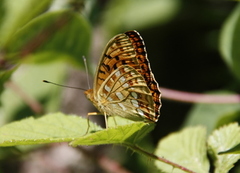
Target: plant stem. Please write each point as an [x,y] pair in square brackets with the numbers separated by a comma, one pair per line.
[161,159]
[31,102]
[199,98]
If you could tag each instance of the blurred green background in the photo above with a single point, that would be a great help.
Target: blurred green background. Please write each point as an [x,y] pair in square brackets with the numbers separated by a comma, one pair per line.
[192,46]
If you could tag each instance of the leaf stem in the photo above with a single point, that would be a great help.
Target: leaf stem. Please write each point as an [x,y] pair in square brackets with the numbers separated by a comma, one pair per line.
[161,159]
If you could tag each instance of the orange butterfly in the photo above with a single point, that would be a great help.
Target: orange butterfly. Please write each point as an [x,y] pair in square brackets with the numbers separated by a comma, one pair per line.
[124,84]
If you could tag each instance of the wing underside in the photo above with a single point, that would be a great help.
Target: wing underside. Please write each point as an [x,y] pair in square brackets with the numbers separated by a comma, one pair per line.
[125,93]
[123,50]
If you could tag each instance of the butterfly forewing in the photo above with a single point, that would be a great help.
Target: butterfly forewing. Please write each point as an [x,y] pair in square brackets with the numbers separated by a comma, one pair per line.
[124,84]
[119,51]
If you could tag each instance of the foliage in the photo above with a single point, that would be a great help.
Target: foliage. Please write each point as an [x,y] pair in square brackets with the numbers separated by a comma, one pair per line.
[189,151]
[43,40]
[229,42]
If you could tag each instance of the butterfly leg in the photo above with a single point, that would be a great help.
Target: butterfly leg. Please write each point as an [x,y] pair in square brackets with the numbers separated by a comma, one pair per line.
[105,118]
[95,113]
[88,124]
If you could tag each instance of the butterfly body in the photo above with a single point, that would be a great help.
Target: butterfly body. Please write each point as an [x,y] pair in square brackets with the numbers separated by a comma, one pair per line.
[124,84]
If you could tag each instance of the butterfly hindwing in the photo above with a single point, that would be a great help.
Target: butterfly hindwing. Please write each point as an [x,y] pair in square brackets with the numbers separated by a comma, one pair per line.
[125,90]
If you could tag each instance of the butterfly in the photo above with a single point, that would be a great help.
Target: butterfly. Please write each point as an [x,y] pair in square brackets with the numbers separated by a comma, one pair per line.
[124,84]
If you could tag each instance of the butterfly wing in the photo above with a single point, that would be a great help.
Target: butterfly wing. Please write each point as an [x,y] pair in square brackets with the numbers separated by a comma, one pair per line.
[119,51]
[125,93]
[146,72]
[126,49]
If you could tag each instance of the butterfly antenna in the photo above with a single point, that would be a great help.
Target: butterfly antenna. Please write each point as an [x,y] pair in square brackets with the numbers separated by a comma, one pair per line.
[86,68]
[64,85]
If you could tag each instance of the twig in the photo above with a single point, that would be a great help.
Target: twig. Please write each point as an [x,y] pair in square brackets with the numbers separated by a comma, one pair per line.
[199,98]
[32,103]
[161,159]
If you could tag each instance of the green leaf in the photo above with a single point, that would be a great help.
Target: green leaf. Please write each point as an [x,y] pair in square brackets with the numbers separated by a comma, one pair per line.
[128,134]
[234,150]
[17,15]
[51,36]
[50,128]
[58,127]
[2,11]
[186,148]
[223,139]
[230,117]
[230,41]
[210,115]
[138,13]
